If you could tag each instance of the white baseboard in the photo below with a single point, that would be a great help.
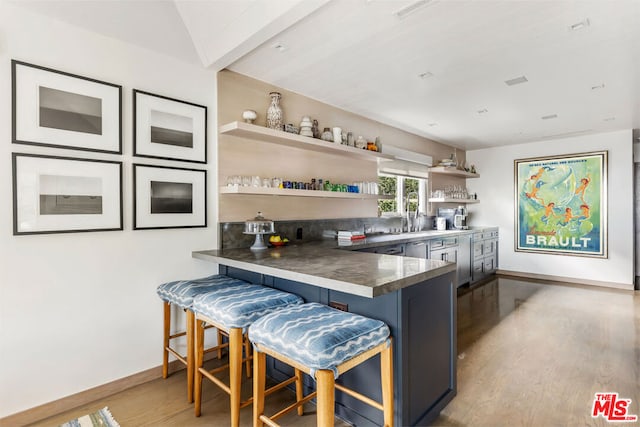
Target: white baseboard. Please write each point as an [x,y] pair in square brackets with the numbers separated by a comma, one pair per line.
[615,285]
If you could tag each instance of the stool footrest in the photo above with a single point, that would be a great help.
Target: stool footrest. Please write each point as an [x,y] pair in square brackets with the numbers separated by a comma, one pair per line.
[178,334]
[291,407]
[177,355]
[359,396]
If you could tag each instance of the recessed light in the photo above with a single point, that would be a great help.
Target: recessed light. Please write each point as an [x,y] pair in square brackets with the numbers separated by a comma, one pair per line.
[484,110]
[279,47]
[550,116]
[597,87]
[609,119]
[579,25]
[410,8]
[516,81]
[432,124]
[425,75]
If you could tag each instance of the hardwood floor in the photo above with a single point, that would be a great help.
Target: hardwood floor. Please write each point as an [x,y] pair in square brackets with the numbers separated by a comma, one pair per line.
[534,354]
[530,354]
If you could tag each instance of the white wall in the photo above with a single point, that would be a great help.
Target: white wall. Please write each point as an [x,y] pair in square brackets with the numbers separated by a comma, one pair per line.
[79,310]
[496,193]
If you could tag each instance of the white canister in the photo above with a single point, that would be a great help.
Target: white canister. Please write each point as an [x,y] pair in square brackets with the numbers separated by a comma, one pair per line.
[337,135]
[441,223]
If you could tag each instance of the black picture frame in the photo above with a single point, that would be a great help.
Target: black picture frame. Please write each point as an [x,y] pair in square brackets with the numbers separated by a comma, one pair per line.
[180,202]
[39,208]
[72,111]
[169,128]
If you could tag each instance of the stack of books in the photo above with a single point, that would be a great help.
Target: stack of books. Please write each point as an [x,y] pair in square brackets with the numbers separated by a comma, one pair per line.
[350,235]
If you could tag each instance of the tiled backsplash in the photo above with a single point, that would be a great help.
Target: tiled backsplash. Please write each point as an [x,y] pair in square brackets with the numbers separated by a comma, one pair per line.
[301,231]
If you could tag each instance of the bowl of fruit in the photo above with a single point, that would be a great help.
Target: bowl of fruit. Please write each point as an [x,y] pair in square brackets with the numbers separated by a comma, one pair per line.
[277,240]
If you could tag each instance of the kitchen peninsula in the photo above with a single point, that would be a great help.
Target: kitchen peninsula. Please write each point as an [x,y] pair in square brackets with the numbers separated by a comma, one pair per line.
[415,297]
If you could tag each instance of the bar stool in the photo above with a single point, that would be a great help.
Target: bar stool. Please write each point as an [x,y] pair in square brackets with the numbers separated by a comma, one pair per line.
[181,293]
[322,342]
[233,310]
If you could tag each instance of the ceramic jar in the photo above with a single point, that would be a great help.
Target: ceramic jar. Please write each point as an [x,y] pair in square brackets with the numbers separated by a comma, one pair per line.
[361,142]
[306,127]
[326,135]
[275,119]
[337,135]
[249,116]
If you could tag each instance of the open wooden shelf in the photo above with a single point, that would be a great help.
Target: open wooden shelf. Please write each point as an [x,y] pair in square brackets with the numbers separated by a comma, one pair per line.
[441,200]
[272,136]
[299,193]
[453,172]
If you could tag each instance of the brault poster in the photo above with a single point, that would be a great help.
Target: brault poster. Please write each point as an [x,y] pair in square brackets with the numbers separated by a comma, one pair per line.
[562,204]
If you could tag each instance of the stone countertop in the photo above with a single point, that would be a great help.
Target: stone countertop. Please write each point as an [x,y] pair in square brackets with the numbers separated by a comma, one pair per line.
[399,238]
[322,264]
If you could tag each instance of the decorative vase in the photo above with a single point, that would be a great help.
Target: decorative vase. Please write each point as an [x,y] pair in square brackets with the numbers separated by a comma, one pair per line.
[275,118]
[315,129]
[361,142]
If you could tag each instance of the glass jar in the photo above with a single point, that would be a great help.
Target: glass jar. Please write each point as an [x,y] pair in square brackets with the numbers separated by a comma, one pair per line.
[327,135]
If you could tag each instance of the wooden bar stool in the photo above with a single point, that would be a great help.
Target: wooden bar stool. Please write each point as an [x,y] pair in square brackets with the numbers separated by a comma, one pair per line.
[233,310]
[180,293]
[322,342]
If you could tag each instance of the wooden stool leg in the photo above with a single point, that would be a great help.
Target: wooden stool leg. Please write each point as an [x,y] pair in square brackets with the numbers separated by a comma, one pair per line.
[219,343]
[386,372]
[190,354]
[259,381]
[167,333]
[199,355]
[326,398]
[299,392]
[235,373]
[247,354]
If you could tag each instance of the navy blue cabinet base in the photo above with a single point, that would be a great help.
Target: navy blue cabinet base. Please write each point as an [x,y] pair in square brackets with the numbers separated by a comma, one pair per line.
[422,319]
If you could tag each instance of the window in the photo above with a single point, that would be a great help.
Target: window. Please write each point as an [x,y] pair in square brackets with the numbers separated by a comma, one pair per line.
[401,186]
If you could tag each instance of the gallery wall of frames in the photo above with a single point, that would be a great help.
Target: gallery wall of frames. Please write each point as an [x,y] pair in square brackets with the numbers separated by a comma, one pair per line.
[52,193]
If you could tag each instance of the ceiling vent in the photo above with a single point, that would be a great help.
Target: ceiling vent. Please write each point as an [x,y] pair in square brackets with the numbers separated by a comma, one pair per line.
[516,81]
[410,8]
[550,116]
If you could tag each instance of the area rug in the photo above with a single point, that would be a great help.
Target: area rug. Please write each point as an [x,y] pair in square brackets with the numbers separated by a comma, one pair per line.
[101,418]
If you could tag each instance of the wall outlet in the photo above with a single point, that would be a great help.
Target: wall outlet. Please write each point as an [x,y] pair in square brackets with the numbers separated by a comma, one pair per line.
[299,233]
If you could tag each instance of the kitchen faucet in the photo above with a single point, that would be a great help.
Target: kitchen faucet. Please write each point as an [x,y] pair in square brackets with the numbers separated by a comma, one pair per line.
[407,198]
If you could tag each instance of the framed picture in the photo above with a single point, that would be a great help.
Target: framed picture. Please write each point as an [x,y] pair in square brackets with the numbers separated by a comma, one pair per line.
[166,128]
[58,109]
[167,197]
[561,204]
[65,195]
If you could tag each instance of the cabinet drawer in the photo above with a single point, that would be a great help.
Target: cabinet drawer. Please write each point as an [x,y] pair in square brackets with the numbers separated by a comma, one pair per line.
[489,247]
[490,234]
[478,249]
[490,264]
[436,244]
[477,269]
[453,241]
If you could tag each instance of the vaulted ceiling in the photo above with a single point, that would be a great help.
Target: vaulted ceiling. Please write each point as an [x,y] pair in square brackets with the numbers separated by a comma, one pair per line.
[440,69]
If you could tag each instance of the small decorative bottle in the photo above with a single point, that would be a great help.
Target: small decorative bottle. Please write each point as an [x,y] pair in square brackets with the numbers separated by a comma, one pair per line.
[315,129]
[275,117]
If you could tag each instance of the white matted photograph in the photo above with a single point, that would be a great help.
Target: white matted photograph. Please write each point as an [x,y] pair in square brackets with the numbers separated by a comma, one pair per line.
[64,195]
[166,197]
[167,128]
[58,109]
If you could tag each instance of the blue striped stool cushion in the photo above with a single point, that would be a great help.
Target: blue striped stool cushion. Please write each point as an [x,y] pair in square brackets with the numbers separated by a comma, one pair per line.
[318,336]
[239,306]
[182,292]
